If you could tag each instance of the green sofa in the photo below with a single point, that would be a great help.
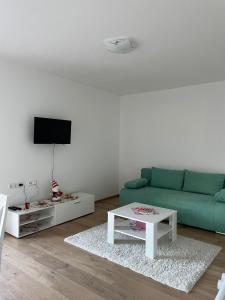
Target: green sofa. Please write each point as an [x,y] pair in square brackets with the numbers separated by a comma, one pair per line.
[199,198]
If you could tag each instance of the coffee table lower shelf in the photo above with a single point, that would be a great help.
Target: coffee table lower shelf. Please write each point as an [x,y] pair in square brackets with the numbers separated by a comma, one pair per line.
[125,228]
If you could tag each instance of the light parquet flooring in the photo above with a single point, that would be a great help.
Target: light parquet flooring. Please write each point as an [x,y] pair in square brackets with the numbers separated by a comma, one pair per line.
[42,266]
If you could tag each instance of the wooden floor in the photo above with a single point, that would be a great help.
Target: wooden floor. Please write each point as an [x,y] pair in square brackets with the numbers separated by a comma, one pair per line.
[42,266]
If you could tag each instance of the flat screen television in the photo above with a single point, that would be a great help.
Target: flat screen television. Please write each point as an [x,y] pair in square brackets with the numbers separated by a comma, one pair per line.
[52,131]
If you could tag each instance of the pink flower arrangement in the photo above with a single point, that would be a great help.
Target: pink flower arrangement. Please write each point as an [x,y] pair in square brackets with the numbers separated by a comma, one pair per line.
[144,211]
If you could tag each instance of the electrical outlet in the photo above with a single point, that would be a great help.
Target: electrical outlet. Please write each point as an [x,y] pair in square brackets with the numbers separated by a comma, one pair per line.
[11,186]
[15,185]
[32,182]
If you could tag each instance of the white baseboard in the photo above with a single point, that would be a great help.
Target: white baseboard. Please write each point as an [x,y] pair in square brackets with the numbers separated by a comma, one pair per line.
[112,196]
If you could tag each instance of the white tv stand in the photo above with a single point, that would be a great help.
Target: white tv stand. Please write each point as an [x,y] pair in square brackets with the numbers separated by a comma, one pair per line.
[24,222]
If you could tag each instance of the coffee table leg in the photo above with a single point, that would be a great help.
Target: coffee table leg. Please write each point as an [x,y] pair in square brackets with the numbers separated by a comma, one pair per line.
[110,233]
[173,224]
[151,240]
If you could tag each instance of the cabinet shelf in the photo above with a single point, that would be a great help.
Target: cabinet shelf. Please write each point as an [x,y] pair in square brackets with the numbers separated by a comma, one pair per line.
[35,231]
[35,220]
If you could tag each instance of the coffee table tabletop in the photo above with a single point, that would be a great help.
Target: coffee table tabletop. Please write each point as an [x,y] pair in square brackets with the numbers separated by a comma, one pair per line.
[127,212]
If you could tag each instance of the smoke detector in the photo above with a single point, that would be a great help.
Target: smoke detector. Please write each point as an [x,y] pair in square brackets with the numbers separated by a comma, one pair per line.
[118,45]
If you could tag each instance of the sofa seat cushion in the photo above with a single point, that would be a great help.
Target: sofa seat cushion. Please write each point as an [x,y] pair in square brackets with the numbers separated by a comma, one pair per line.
[204,183]
[169,179]
[219,217]
[193,209]
[198,210]
[152,196]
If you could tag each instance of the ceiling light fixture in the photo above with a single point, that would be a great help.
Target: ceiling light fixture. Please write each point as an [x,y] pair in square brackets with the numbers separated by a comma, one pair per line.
[119,45]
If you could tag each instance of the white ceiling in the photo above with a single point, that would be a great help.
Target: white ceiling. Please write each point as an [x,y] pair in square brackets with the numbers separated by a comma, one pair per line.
[180,42]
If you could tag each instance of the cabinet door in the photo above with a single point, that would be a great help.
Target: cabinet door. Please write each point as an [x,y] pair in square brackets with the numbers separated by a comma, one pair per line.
[87,205]
[67,211]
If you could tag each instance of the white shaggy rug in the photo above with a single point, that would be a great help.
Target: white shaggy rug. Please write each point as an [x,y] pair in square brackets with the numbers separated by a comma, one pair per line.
[178,265]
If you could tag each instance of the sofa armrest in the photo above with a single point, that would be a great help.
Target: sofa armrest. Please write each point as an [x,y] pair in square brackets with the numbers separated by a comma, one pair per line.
[136,183]
[220,196]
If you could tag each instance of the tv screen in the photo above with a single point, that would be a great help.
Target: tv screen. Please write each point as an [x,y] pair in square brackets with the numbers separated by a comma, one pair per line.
[51,131]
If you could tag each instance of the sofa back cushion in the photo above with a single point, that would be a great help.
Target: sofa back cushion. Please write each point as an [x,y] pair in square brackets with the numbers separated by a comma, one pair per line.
[204,183]
[169,179]
[146,173]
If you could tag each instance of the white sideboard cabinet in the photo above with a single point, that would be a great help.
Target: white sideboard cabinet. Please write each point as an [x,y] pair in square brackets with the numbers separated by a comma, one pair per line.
[24,222]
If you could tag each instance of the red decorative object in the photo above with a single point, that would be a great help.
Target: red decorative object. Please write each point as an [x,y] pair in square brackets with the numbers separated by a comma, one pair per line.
[56,193]
[27,205]
[137,225]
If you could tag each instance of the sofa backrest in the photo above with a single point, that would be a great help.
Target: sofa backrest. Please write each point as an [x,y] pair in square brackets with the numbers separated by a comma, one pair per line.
[203,183]
[146,173]
[169,179]
[186,180]
[163,178]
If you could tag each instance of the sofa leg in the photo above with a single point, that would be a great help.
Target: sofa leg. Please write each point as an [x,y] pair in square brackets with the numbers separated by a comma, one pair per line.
[220,232]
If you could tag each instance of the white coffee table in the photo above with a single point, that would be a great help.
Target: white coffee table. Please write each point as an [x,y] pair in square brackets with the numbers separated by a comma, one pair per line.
[154,228]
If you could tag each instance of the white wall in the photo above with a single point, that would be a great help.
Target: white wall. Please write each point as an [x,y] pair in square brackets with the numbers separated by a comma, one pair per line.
[177,128]
[89,164]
